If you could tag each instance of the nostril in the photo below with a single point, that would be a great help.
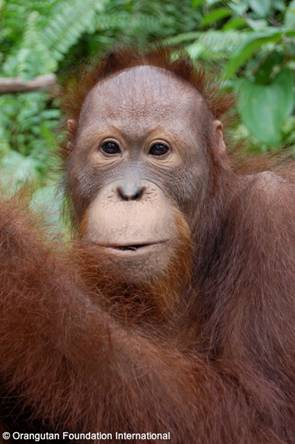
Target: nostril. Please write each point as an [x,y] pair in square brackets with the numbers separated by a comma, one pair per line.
[134,194]
[121,194]
[139,193]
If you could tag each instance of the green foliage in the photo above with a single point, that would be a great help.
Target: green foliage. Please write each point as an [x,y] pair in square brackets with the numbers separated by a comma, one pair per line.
[252,40]
[67,22]
[249,42]
[265,108]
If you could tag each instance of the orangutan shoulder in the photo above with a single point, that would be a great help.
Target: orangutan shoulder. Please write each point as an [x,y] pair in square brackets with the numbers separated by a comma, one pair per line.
[274,193]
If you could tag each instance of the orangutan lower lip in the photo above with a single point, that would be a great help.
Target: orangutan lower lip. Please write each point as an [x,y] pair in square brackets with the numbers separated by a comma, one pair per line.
[131,248]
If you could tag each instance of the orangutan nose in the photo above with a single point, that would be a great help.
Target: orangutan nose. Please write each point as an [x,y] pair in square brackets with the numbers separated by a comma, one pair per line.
[130,192]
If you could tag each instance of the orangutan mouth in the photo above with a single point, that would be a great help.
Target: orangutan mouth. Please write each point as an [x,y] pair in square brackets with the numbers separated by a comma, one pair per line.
[134,247]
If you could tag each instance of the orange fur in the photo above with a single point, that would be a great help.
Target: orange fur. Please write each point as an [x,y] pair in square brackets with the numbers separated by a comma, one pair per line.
[212,361]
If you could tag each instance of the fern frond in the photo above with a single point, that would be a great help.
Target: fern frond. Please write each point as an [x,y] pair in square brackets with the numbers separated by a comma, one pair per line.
[217,44]
[67,22]
[32,57]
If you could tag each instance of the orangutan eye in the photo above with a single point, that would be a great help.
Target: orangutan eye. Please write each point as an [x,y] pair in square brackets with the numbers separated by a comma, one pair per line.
[110,148]
[159,149]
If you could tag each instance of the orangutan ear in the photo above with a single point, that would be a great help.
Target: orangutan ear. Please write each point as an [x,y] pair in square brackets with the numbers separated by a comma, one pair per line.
[71,130]
[219,145]
[71,127]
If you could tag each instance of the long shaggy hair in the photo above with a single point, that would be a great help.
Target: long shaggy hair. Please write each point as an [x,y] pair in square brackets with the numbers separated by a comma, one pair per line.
[83,352]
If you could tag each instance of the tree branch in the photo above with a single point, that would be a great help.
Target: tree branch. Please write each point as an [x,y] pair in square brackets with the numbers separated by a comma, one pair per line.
[15,85]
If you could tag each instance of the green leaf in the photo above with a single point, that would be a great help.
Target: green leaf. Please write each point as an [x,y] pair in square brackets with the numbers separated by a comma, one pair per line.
[239,6]
[257,25]
[197,3]
[264,109]
[217,44]
[48,202]
[279,5]
[235,23]
[261,7]
[212,2]
[16,170]
[267,66]
[181,38]
[289,32]
[254,42]
[195,50]
[67,22]
[32,58]
[216,15]
[285,82]
[290,15]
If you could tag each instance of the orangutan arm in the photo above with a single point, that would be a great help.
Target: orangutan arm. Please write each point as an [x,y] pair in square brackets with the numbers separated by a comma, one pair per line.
[73,366]
[253,315]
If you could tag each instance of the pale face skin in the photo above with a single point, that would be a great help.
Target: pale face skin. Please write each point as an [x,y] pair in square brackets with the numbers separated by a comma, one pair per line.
[139,158]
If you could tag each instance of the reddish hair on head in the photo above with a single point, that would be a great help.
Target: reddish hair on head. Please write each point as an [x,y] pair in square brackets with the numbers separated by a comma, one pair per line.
[124,58]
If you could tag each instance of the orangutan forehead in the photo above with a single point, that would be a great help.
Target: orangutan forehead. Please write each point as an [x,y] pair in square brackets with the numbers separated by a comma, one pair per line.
[140,91]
